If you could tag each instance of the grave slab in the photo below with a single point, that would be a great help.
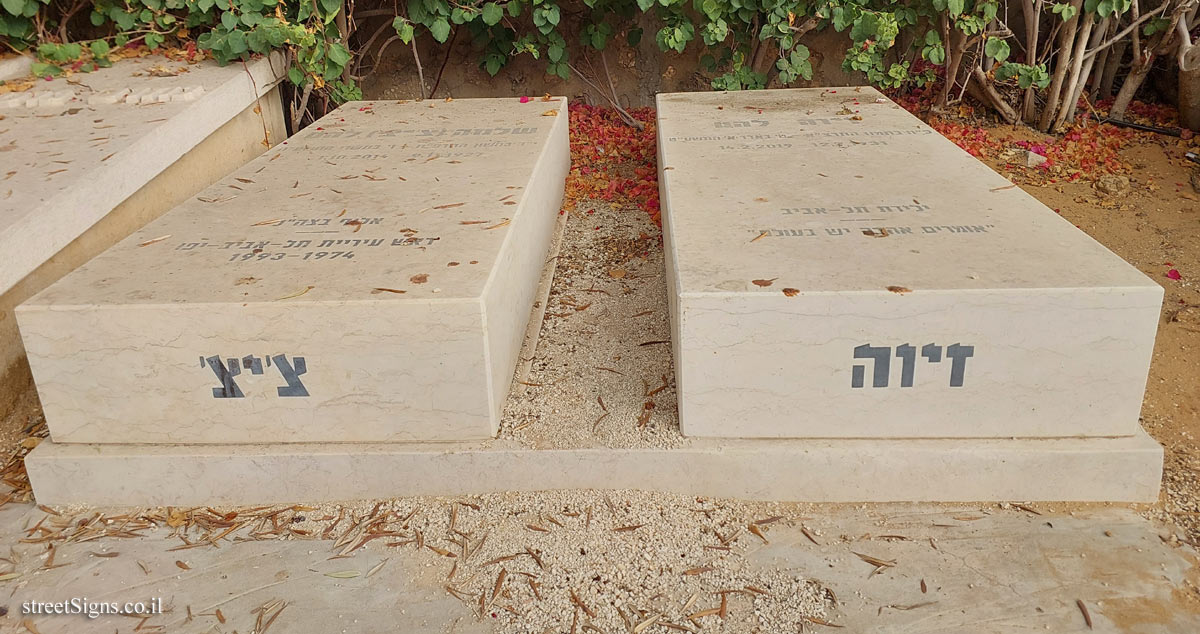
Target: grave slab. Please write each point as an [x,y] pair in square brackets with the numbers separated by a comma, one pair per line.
[83,174]
[75,150]
[864,470]
[370,281]
[858,275]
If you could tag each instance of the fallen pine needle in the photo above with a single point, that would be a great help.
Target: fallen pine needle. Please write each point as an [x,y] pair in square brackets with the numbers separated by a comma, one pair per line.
[499,583]
[376,568]
[582,606]
[1087,618]
[875,561]
[153,240]
[296,294]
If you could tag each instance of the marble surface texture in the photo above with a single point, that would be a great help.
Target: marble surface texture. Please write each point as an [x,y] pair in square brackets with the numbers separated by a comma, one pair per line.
[839,270]
[369,280]
[74,150]
[1095,469]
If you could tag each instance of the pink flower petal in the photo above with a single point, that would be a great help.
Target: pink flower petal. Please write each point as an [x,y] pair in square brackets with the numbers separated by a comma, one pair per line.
[1174,274]
[525,99]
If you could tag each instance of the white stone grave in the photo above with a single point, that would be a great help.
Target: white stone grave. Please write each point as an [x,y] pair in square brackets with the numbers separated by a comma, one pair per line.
[333,313]
[840,270]
[89,159]
[369,280]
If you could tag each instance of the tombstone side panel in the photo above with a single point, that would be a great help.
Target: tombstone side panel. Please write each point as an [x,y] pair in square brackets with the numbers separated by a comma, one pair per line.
[260,373]
[511,288]
[980,364]
[670,253]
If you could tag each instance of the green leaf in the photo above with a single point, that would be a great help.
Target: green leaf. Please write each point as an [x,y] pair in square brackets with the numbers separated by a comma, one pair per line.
[338,54]
[331,7]
[865,28]
[296,76]
[154,40]
[228,20]
[15,7]
[996,49]
[492,14]
[42,69]
[555,52]
[404,29]
[493,63]
[440,29]
[634,37]
[124,19]
[236,43]
[99,48]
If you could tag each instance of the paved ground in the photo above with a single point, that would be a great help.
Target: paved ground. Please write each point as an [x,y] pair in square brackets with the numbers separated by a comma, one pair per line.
[961,569]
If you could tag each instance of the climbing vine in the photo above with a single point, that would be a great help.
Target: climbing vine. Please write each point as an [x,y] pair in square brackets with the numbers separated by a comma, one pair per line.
[966,45]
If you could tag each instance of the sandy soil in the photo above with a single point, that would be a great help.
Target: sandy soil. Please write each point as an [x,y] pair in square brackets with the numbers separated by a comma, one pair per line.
[1154,224]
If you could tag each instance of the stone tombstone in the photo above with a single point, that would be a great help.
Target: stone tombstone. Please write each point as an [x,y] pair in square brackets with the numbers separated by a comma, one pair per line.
[75,149]
[368,280]
[838,269]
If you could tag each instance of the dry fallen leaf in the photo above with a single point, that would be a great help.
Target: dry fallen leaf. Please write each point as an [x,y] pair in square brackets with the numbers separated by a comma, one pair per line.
[182,566]
[617,273]
[344,574]
[296,294]
[419,278]
[765,282]
[899,290]
[791,292]
[550,113]
[153,240]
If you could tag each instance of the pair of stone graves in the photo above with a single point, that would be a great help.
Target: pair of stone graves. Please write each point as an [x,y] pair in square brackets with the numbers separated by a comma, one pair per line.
[90,158]
[862,312]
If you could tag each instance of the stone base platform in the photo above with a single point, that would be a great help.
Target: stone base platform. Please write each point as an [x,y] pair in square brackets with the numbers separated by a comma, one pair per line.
[1125,469]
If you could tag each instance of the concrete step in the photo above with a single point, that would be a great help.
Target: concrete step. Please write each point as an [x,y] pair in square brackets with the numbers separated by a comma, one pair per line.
[1124,469]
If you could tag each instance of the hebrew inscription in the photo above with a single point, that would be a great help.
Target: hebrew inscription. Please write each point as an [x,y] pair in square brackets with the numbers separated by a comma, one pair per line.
[229,369]
[880,361]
